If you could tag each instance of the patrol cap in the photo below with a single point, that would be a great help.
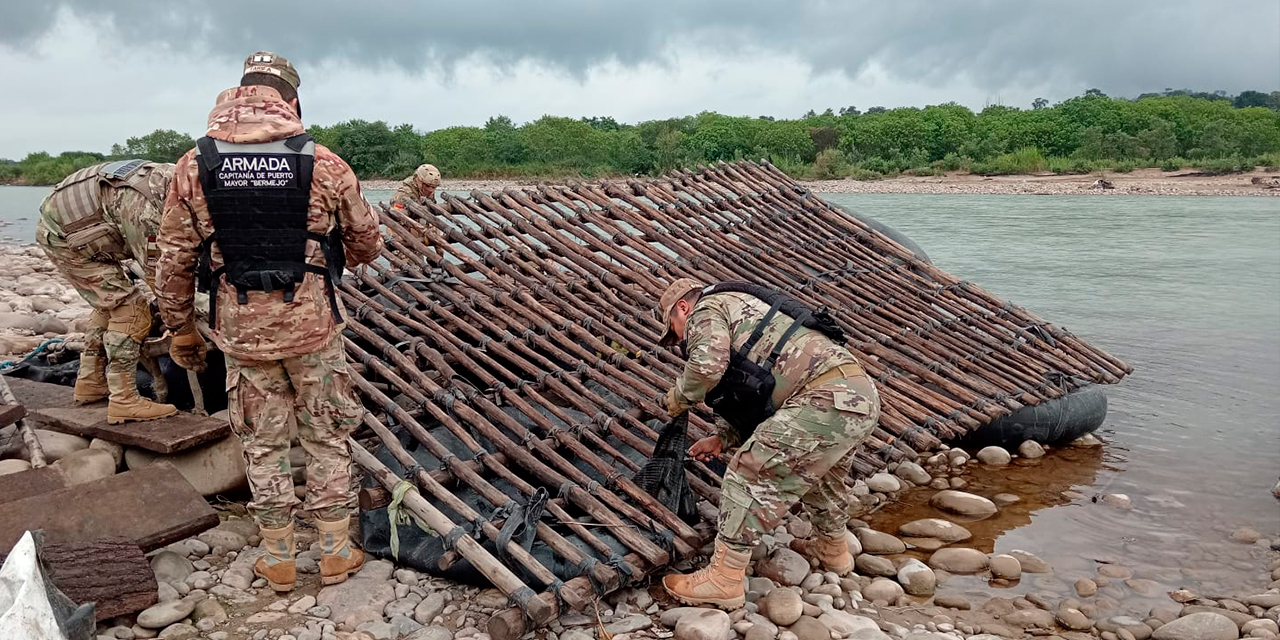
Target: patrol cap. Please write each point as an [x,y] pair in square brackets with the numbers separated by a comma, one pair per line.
[428,174]
[272,64]
[675,292]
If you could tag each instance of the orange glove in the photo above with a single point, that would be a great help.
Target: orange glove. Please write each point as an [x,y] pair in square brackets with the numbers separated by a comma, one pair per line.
[187,348]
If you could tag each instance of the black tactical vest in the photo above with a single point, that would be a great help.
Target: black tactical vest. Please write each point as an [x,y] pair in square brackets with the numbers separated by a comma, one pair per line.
[744,395]
[258,196]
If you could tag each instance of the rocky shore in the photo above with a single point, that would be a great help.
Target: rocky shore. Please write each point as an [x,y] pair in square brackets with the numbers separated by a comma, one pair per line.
[1137,182]
[36,303]
[906,586]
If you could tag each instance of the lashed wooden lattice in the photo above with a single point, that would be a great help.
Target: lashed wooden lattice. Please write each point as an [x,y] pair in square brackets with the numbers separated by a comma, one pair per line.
[539,301]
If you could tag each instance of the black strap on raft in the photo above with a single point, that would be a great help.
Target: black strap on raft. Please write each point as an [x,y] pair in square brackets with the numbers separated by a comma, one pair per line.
[259,197]
[744,395]
[663,476]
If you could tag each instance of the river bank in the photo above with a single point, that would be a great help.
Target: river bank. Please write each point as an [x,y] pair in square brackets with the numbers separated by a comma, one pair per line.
[1136,182]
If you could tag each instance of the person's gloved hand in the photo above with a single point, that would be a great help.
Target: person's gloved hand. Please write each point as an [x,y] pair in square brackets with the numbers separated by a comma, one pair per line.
[673,403]
[188,350]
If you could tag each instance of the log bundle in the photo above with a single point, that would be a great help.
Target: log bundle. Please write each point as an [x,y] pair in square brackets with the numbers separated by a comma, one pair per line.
[512,335]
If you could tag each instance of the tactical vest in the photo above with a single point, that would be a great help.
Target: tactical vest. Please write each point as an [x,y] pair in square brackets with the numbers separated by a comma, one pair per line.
[77,204]
[744,395]
[258,196]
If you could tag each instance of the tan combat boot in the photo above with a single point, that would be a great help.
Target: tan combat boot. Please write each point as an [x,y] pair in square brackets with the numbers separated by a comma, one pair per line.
[125,403]
[832,553]
[277,567]
[338,557]
[719,583]
[91,382]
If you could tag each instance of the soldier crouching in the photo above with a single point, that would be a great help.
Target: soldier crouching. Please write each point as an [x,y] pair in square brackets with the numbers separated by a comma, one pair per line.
[796,399]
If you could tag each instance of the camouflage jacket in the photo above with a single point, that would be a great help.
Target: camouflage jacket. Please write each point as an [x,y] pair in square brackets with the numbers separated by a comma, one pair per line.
[132,211]
[720,324]
[407,192]
[267,328]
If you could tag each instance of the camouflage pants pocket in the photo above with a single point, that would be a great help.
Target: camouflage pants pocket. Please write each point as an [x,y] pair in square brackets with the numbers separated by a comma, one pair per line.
[760,484]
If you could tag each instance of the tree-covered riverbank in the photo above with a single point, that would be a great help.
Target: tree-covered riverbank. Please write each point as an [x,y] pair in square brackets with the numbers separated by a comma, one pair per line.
[1089,133]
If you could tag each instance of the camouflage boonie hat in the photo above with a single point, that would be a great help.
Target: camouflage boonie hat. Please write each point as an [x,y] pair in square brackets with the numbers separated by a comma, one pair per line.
[667,303]
[272,64]
[428,174]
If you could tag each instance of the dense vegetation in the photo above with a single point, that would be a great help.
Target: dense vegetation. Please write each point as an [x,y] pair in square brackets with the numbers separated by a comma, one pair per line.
[1092,132]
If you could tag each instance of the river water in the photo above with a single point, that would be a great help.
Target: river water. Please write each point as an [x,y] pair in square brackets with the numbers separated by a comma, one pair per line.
[1187,290]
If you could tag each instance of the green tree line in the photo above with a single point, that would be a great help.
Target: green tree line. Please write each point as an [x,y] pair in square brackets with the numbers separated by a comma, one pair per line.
[1170,129]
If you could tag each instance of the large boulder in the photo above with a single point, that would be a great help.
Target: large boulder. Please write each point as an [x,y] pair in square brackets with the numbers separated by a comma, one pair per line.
[879,543]
[1199,626]
[785,567]
[85,465]
[917,579]
[943,530]
[964,504]
[709,624]
[57,446]
[217,467]
[959,560]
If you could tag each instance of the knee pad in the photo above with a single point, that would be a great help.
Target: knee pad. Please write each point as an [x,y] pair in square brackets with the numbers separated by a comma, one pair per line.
[132,318]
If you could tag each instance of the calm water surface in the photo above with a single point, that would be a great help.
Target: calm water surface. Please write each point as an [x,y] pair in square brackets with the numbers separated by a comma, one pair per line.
[1187,290]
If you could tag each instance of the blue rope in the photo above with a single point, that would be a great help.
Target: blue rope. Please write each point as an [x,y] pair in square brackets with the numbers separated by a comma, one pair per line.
[35,352]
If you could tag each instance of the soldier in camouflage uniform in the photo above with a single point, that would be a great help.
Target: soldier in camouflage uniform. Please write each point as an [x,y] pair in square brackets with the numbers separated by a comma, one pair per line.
[803,452]
[418,187]
[283,346]
[94,220]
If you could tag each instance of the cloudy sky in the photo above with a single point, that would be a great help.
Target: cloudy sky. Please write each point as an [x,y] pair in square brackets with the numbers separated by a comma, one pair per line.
[82,74]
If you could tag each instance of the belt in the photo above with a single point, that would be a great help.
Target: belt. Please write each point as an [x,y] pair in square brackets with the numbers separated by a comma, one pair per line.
[838,372]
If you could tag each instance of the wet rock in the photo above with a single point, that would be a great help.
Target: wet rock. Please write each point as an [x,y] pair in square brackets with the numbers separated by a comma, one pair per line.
[878,543]
[940,484]
[1199,626]
[869,565]
[884,483]
[784,566]
[217,467]
[57,446]
[951,601]
[1073,619]
[707,624]
[944,530]
[1245,535]
[13,466]
[1264,600]
[1117,500]
[1085,588]
[164,614]
[1030,563]
[782,607]
[846,624]
[962,503]
[1031,449]
[913,473]
[917,578]
[959,560]
[883,589]
[995,456]
[924,544]
[171,567]
[1005,567]
[1030,618]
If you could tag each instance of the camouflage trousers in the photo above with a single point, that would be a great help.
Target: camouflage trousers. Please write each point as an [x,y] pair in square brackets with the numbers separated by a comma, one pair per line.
[265,398]
[102,282]
[802,453]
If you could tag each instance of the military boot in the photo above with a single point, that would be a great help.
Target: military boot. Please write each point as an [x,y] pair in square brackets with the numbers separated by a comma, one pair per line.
[91,382]
[719,583]
[277,567]
[125,404]
[338,557]
[831,553]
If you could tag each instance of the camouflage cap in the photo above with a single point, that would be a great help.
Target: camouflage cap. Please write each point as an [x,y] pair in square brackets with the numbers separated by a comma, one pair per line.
[675,292]
[427,174]
[272,64]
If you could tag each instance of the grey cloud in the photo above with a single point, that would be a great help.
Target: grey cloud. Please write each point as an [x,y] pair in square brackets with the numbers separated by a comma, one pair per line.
[1123,48]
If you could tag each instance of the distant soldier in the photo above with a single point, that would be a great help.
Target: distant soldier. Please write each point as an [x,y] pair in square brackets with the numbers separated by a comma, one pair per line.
[94,220]
[265,219]
[418,187]
[797,401]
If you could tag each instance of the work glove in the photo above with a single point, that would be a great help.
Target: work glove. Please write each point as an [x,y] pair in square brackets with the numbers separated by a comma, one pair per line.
[674,403]
[187,348]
